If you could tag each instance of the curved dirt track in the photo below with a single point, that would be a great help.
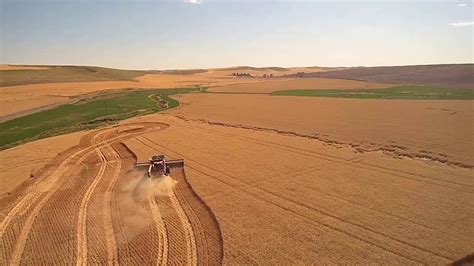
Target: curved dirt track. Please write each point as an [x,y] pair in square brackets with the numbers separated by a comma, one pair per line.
[89,206]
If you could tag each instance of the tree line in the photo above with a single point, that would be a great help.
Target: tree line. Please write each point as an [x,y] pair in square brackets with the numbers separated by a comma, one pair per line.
[241,74]
[248,75]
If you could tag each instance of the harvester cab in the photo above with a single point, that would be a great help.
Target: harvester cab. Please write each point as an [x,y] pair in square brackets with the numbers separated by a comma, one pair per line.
[157,164]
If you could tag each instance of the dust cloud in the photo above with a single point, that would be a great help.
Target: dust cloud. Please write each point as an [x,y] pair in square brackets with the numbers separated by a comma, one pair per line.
[133,200]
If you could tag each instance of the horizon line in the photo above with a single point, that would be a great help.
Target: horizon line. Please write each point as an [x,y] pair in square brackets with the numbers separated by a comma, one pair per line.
[236,66]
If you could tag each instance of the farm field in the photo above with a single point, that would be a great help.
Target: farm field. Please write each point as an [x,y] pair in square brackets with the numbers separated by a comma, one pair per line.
[268,86]
[326,179]
[48,74]
[332,202]
[18,167]
[442,75]
[205,132]
[106,212]
[20,99]
[19,67]
[409,128]
[401,92]
[86,114]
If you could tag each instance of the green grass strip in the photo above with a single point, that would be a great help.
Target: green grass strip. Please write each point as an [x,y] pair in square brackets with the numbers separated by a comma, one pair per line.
[87,114]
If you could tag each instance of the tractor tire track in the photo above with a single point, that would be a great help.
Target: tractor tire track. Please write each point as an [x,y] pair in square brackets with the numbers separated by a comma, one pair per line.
[204,223]
[205,228]
[162,258]
[51,240]
[178,223]
[12,166]
[177,238]
[36,194]
[191,253]
[133,222]
[112,252]
[36,190]
[23,237]
[82,222]
[100,232]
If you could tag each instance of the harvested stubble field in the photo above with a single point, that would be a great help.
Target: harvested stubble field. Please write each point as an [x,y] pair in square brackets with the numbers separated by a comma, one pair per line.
[88,206]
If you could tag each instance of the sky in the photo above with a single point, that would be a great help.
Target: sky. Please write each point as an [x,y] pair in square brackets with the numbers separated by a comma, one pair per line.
[178,34]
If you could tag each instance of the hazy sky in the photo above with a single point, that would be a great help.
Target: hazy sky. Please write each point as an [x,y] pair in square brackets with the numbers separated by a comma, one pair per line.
[210,33]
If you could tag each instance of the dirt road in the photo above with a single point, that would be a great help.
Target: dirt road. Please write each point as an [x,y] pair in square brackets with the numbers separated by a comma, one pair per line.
[90,207]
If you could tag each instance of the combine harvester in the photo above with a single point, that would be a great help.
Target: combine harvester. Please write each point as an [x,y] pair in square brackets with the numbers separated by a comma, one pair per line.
[158,165]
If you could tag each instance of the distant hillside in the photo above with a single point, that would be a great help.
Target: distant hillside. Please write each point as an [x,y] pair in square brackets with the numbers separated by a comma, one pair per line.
[55,74]
[184,71]
[257,68]
[453,76]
